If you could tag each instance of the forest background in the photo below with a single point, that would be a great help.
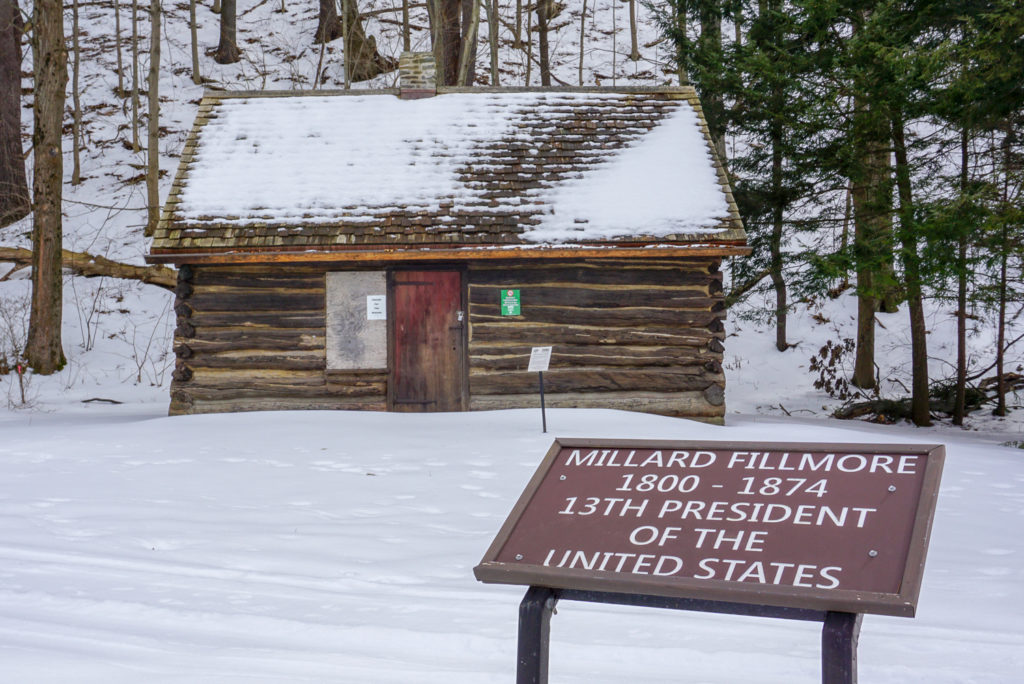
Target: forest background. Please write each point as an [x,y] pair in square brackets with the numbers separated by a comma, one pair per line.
[875,148]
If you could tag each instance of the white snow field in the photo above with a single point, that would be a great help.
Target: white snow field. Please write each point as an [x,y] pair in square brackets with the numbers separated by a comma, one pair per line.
[339,547]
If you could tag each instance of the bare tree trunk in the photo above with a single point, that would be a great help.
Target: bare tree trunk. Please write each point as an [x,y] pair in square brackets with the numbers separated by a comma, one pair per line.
[135,76]
[960,397]
[117,45]
[76,121]
[346,32]
[470,30]
[492,39]
[197,77]
[583,34]
[844,238]
[153,149]
[920,409]
[14,199]
[1000,409]
[447,50]
[1004,247]
[227,50]
[517,35]
[872,206]
[778,281]
[542,42]
[216,9]
[634,48]
[43,349]
[529,47]
[684,77]
[406,36]
[710,40]
[737,23]
[365,62]
[467,58]
[328,25]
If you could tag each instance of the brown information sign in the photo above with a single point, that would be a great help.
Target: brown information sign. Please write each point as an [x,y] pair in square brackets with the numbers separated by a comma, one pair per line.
[836,527]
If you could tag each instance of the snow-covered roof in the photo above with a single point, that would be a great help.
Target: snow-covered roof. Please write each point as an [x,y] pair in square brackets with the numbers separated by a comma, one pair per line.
[487,167]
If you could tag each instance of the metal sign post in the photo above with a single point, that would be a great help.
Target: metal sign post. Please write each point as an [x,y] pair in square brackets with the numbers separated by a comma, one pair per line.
[839,633]
[540,359]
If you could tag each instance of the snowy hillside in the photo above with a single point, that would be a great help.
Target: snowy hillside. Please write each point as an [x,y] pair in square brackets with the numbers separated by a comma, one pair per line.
[119,331]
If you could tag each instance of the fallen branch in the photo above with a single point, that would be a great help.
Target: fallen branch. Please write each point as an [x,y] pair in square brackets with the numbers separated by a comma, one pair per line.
[92,266]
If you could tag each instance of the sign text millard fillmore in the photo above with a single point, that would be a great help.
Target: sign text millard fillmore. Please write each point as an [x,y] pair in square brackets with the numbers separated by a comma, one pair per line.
[838,527]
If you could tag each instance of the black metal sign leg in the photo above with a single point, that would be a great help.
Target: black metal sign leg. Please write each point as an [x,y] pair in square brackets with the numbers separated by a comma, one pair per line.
[534,635]
[839,637]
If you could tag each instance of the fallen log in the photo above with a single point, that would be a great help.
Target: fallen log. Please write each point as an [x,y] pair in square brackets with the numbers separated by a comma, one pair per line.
[92,266]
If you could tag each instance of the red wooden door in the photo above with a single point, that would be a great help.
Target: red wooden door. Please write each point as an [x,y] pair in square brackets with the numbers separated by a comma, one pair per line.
[427,363]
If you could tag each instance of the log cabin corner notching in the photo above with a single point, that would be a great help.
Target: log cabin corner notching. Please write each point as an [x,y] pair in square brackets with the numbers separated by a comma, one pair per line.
[351,251]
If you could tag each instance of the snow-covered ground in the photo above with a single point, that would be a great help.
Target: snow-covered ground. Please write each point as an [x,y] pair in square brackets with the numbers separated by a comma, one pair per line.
[336,546]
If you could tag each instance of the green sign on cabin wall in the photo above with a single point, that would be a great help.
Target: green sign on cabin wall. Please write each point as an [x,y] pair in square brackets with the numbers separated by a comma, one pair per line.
[510,302]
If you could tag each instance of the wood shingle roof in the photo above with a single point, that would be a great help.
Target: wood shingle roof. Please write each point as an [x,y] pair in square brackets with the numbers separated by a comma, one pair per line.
[473,168]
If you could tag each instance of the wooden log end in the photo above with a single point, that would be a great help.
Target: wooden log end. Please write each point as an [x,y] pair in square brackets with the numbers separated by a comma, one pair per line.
[715,394]
[182,373]
[185,330]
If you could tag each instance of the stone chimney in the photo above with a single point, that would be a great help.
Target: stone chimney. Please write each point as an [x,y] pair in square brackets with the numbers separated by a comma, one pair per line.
[417,75]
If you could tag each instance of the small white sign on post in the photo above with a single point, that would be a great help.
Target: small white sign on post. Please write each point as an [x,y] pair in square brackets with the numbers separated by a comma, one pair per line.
[540,359]
[376,307]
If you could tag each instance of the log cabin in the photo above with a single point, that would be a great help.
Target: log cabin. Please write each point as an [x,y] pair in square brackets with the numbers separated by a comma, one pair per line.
[404,250]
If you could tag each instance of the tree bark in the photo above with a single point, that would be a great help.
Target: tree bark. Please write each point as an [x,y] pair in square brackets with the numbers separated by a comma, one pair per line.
[135,76]
[153,137]
[117,45]
[14,198]
[583,35]
[710,41]
[920,401]
[197,77]
[365,62]
[517,34]
[778,202]
[328,26]
[1004,248]
[470,32]
[778,281]
[960,397]
[76,122]
[634,48]
[43,349]
[542,42]
[468,57]
[684,77]
[227,50]
[406,29]
[492,39]
[92,266]
[872,207]
[447,39]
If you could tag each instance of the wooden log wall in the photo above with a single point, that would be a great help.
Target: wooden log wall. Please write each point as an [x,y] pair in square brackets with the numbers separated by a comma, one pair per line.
[254,338]
[644,336]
